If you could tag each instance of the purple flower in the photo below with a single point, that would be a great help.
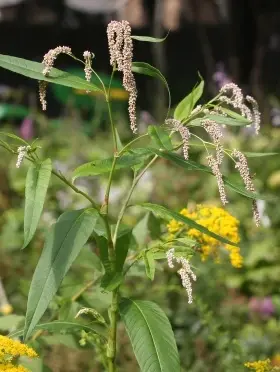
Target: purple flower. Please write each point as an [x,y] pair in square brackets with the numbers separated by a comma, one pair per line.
[264,307]
[26,129]
[220,77]
[267,306]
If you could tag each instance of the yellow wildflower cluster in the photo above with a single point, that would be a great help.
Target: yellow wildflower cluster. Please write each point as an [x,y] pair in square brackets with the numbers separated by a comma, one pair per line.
[10,349]
[9,367]
[216,220]
[260,365]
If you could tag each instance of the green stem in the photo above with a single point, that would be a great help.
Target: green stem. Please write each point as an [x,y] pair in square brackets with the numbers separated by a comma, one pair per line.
[73,187]
[125,204]
[112,125]
[105,207]
[112,340]
[126,147]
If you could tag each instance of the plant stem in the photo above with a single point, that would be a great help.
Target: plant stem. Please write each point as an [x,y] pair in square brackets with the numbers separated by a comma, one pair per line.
[73,187]
[134,183]
[126,147]
[112,340]
[113,311]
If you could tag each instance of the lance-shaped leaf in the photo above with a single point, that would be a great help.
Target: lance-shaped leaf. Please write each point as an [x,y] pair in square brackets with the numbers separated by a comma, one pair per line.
[149,39]
[13,136]
[149,70]
[151,336]
[168,215]
[63,243]
[58,326]
[185,107]
[260,154]
[160,137]
[96,167]
[36,185]
[149,264]
[34,70]
[195,166]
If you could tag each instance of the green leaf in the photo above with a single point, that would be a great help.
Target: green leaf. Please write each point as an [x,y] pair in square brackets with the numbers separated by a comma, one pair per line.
[149,39]
[149,264]
[96,167]
[168,215]
[146,69]
[56,326]
[34,70]
[186,241]
[195,166]
[147,227]
[185,107]
[36,186]
[160,137]
[119,142]
[122,246]
[111,280]
[11,135]
[63,243]
[236,116]
[259,154]
[224,120]
[102,245]
[151,336]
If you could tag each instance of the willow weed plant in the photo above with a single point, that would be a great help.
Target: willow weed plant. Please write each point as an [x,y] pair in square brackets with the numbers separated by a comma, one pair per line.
[203,231]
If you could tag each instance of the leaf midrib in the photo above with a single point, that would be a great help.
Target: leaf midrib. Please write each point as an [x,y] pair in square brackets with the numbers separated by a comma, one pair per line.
[149,331]
[35,198]
[71,78]
[52,265]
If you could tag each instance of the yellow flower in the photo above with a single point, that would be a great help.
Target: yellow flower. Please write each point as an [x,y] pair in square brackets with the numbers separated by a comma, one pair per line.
[276,360]
[6,309]
[15,348]
[9,367]
[259,366]
[216,220]
[174,226]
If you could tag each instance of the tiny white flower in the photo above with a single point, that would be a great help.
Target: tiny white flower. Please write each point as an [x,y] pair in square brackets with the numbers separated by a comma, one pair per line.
[22,151]
[185,271]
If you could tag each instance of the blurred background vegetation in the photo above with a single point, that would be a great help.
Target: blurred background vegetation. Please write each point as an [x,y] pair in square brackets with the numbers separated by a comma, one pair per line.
[235,316]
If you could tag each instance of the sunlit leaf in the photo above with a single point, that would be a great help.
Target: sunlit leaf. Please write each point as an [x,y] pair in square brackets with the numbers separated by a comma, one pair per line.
[34,70]
[185,107]
[149,39]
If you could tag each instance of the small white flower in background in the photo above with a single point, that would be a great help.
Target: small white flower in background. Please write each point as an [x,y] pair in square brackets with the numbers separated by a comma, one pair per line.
[184,133]
[185,271]
[170,257]
[22,151]
[88,58]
